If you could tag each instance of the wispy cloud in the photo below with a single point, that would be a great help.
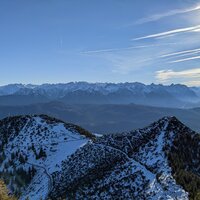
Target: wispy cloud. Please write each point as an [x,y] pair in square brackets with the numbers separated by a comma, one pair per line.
[126,48]
[186,76]
[181,52]
[183,55]
[192,83]
[170,13]
[185,59]
[167,33]
[104,50]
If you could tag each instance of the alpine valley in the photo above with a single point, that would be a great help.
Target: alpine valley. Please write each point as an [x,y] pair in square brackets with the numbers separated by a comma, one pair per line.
[45,158]
[103,107]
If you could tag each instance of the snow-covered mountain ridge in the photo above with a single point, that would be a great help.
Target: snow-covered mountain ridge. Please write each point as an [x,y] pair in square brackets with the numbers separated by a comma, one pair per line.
[136,165]
[174,95]
[33,147]
[61,89]
[46,158]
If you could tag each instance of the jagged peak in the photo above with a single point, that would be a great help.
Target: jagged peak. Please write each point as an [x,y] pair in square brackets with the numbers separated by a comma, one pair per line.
[169,122]
[168,119]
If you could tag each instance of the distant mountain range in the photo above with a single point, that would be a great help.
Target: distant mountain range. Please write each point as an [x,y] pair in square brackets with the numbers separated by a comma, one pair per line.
[179,96]
[44,158]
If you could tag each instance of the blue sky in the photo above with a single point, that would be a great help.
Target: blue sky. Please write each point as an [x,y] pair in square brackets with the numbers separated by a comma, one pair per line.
[52,41]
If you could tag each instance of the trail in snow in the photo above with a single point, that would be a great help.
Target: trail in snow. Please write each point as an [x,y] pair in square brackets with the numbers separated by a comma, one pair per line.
[50,179]
[50,182]
[138,164]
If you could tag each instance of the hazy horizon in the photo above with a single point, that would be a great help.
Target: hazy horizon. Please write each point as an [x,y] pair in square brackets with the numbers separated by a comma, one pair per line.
[57,83]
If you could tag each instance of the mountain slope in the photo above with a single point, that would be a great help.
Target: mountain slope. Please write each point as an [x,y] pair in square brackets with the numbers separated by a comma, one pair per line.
[108,118]
[21,100]
[45,158]
[134,165]
[33,147]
